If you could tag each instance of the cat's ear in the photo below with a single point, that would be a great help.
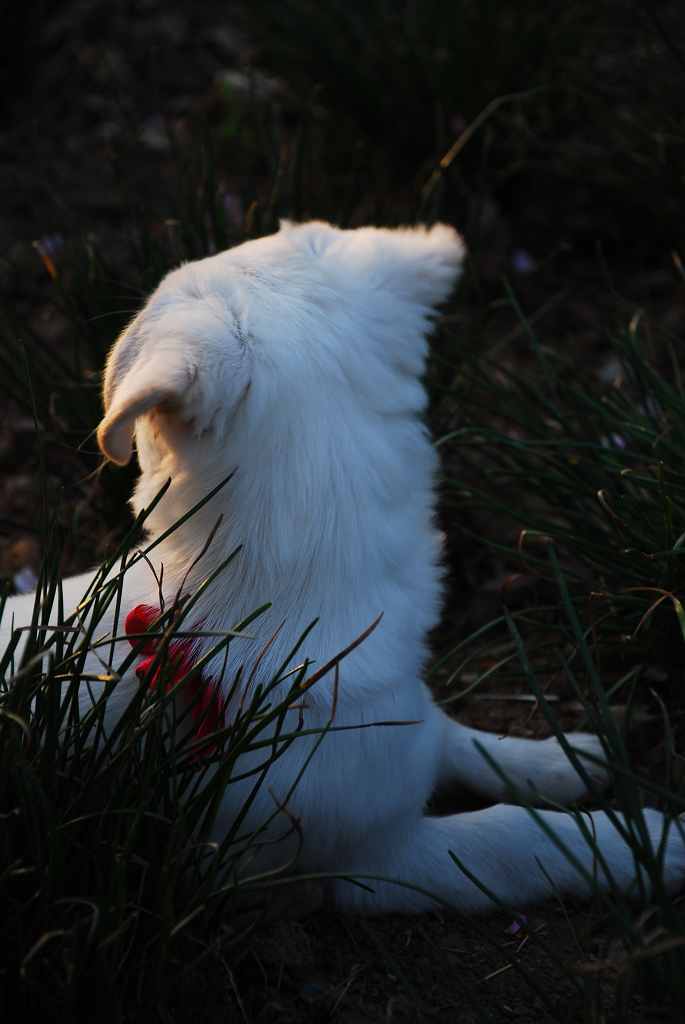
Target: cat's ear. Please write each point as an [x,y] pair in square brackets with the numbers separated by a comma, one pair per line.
[186,354]
[439,253]
[140,376]
[418,263]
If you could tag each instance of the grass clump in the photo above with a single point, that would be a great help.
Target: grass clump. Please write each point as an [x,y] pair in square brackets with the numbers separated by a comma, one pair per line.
[573,479]
[115,893]
[555,454]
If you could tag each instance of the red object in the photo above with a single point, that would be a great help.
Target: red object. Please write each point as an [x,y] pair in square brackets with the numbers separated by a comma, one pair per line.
[207,707]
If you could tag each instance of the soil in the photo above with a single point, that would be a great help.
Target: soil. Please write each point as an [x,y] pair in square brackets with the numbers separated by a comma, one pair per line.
[351,969]
[89,95]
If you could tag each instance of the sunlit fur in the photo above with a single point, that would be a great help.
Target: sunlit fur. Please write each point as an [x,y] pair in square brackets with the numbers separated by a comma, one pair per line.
[296,360]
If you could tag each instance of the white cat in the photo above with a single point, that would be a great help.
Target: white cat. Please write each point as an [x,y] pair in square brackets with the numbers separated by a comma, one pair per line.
[296,360]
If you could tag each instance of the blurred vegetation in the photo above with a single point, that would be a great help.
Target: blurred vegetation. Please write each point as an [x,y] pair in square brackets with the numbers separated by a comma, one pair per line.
[584,102]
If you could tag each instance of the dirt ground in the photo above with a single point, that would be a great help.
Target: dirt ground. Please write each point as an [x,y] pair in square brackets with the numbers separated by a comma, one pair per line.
[351,969]
[87,106]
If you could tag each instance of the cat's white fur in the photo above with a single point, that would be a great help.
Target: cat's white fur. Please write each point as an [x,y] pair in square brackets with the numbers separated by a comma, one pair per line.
[296,360]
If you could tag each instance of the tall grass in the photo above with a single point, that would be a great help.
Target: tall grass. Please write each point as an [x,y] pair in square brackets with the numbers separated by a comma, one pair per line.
[115,894]
[549,450]
[574,482]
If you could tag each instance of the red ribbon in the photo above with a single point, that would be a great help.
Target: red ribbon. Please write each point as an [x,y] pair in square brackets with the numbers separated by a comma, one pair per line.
[207,707]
